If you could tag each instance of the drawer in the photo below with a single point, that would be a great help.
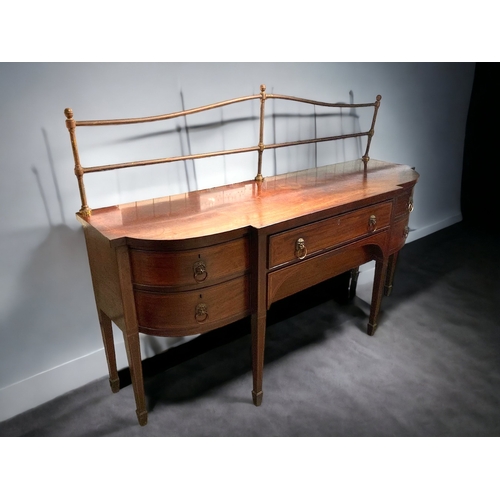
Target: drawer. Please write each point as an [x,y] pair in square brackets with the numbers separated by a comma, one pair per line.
[203,266]
[403,204]
[399,233]
[297,243]
[300,275]
[198,311]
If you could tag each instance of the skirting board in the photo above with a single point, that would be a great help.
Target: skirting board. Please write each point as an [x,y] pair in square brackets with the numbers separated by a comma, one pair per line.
[42,387]
[45,386]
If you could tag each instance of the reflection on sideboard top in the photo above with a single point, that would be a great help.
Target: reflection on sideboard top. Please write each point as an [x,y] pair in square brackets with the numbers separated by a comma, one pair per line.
[250,203]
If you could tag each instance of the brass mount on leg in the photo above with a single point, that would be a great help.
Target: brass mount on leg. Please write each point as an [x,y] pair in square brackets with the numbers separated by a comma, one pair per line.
[114,384]
[142,417]
[257,398]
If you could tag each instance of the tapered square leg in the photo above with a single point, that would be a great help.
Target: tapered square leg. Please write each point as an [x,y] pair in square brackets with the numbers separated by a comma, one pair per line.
[109,349]
[258,347]
[391,269]
[353,283]
[134,361]
[378,289]
[131,333]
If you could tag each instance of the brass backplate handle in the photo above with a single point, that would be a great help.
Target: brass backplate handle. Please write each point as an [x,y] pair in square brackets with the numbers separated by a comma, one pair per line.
[372,222]
[201,313]
[406,232]
[200,271]
[410,205]
[300,248]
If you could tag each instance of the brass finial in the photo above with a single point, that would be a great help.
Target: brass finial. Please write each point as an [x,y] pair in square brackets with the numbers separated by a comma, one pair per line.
[85,212]
[262,88]
[70,123]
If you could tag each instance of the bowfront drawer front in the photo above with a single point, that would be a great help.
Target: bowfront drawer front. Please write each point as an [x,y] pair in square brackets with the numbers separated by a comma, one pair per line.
[296,244]
[197,311]
[201,267]
[403,204]
[399,233]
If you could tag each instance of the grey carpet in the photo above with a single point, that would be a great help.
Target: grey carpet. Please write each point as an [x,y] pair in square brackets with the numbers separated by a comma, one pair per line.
[432,368]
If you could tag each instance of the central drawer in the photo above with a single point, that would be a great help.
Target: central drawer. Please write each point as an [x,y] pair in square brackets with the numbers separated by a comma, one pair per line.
[296,244]
[298,276]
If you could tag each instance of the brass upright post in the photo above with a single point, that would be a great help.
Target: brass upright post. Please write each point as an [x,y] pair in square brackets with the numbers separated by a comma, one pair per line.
[365,157]
[85,211]
[259,177]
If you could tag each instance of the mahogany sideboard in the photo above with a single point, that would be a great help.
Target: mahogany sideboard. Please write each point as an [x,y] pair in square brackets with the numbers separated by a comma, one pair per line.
[190,263]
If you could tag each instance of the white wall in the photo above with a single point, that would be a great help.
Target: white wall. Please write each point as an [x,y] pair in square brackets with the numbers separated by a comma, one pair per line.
[49,335]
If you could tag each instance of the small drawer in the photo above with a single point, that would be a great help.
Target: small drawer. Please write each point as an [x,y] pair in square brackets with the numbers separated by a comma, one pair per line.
[399,233]
[203,266]
[403,204]
[296,244]
[184,313]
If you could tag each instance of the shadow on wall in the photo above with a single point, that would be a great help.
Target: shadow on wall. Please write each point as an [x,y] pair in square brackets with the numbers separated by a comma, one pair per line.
[54,318]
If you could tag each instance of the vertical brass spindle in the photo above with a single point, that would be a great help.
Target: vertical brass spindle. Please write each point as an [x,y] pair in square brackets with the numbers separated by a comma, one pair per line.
[261,132]
[365,157]
[85,211]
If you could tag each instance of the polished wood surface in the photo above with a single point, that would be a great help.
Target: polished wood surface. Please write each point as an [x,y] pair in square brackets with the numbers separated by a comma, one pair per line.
[276,199]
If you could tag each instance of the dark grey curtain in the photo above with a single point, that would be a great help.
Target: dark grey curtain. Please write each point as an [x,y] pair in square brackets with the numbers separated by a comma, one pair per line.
[480,196]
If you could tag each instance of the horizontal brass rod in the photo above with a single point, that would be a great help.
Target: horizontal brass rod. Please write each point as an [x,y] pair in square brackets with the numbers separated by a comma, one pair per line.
[114,166]
[129,121]
[313,141]
[319,103]
[146,119]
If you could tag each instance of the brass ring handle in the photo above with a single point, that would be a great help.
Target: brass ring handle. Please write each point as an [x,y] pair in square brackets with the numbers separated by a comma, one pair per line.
[372,222]
[200,271]
[410,205]
[300,248]
[201,313]
[406,232]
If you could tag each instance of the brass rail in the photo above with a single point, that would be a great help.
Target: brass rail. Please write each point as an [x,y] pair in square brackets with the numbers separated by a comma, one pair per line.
[71,124]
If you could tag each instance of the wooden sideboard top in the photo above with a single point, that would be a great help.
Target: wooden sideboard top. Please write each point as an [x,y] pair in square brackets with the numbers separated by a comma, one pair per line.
[250,204]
